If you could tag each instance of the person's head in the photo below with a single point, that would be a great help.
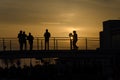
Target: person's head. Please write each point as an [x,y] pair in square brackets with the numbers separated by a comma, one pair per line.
[46,30]
[20,31]
[29,33]
[74,32]
[23,32]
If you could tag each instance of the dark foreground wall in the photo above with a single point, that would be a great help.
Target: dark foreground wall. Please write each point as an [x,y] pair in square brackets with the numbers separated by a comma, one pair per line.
[74,65]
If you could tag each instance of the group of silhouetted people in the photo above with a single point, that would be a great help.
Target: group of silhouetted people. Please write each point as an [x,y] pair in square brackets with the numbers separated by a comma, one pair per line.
[22,36]
[23,40]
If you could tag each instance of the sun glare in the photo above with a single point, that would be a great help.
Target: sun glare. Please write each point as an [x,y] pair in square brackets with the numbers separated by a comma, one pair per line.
[71,29]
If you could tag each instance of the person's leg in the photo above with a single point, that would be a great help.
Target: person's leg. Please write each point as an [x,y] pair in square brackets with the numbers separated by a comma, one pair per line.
[74,44]
[25,46]
[76,47]
[48,45]
[45,45]
[31,46]
[21,46]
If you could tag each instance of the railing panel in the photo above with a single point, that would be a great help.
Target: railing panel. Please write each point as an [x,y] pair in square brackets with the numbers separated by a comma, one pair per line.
[55,43]
[63,44]
[92,43]
[81,43]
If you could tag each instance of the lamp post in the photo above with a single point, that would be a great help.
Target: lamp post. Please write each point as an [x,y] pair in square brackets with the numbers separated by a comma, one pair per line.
[70,35]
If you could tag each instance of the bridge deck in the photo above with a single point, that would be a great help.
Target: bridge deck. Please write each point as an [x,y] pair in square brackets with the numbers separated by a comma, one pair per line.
[56,53]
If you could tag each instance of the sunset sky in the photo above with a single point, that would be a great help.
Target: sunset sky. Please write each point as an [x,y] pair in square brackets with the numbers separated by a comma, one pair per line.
[60,17]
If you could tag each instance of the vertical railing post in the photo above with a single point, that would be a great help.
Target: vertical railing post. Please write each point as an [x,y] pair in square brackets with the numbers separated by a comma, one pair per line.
[37,43]
[54,43]
[4,47]
[86,43]
[41,44]
[10,45]
[70,36]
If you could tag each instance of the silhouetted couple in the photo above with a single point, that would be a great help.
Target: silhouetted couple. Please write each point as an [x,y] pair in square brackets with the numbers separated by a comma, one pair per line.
[23,40]
[47,35]
[75,39]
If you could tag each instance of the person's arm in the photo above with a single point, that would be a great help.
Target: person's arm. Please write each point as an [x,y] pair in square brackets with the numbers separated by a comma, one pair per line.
[33,37]
[18,36]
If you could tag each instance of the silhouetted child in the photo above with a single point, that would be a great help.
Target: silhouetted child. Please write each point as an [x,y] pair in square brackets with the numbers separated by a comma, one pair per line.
[47,36]
[30,39]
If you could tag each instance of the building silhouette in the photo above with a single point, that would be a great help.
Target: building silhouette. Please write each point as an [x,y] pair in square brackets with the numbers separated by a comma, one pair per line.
[110,36]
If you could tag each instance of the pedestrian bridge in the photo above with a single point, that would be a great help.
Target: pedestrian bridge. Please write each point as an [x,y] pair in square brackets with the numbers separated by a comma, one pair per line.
[59,47]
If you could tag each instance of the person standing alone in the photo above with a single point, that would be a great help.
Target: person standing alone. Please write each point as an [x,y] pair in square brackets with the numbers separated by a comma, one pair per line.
[30,39]
[47,35]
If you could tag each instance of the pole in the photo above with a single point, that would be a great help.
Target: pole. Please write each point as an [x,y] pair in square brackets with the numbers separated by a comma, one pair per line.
[86,43]
[37,43]
[4,47]
[41,44]
[10,45]
[54,43]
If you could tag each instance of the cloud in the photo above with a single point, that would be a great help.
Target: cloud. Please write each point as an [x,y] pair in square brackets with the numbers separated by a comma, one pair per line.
[107,3]
[50,11]
[21,12]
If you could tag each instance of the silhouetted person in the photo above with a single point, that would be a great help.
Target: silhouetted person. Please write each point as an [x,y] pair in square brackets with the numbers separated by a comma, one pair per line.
[47,36]
[24,40]
[30,39]
[70,35]
[20,37]
[75,39]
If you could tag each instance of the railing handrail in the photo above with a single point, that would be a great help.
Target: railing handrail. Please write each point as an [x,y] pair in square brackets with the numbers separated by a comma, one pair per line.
[43,37]
[56,41]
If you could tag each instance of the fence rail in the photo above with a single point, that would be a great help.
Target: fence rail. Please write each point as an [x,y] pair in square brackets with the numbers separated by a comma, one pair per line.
[56,43]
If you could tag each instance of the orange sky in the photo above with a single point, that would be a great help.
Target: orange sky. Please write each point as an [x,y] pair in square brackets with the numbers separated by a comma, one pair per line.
[60,16]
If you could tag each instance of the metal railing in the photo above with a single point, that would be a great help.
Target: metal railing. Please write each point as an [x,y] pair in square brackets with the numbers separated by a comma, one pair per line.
[56,43]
